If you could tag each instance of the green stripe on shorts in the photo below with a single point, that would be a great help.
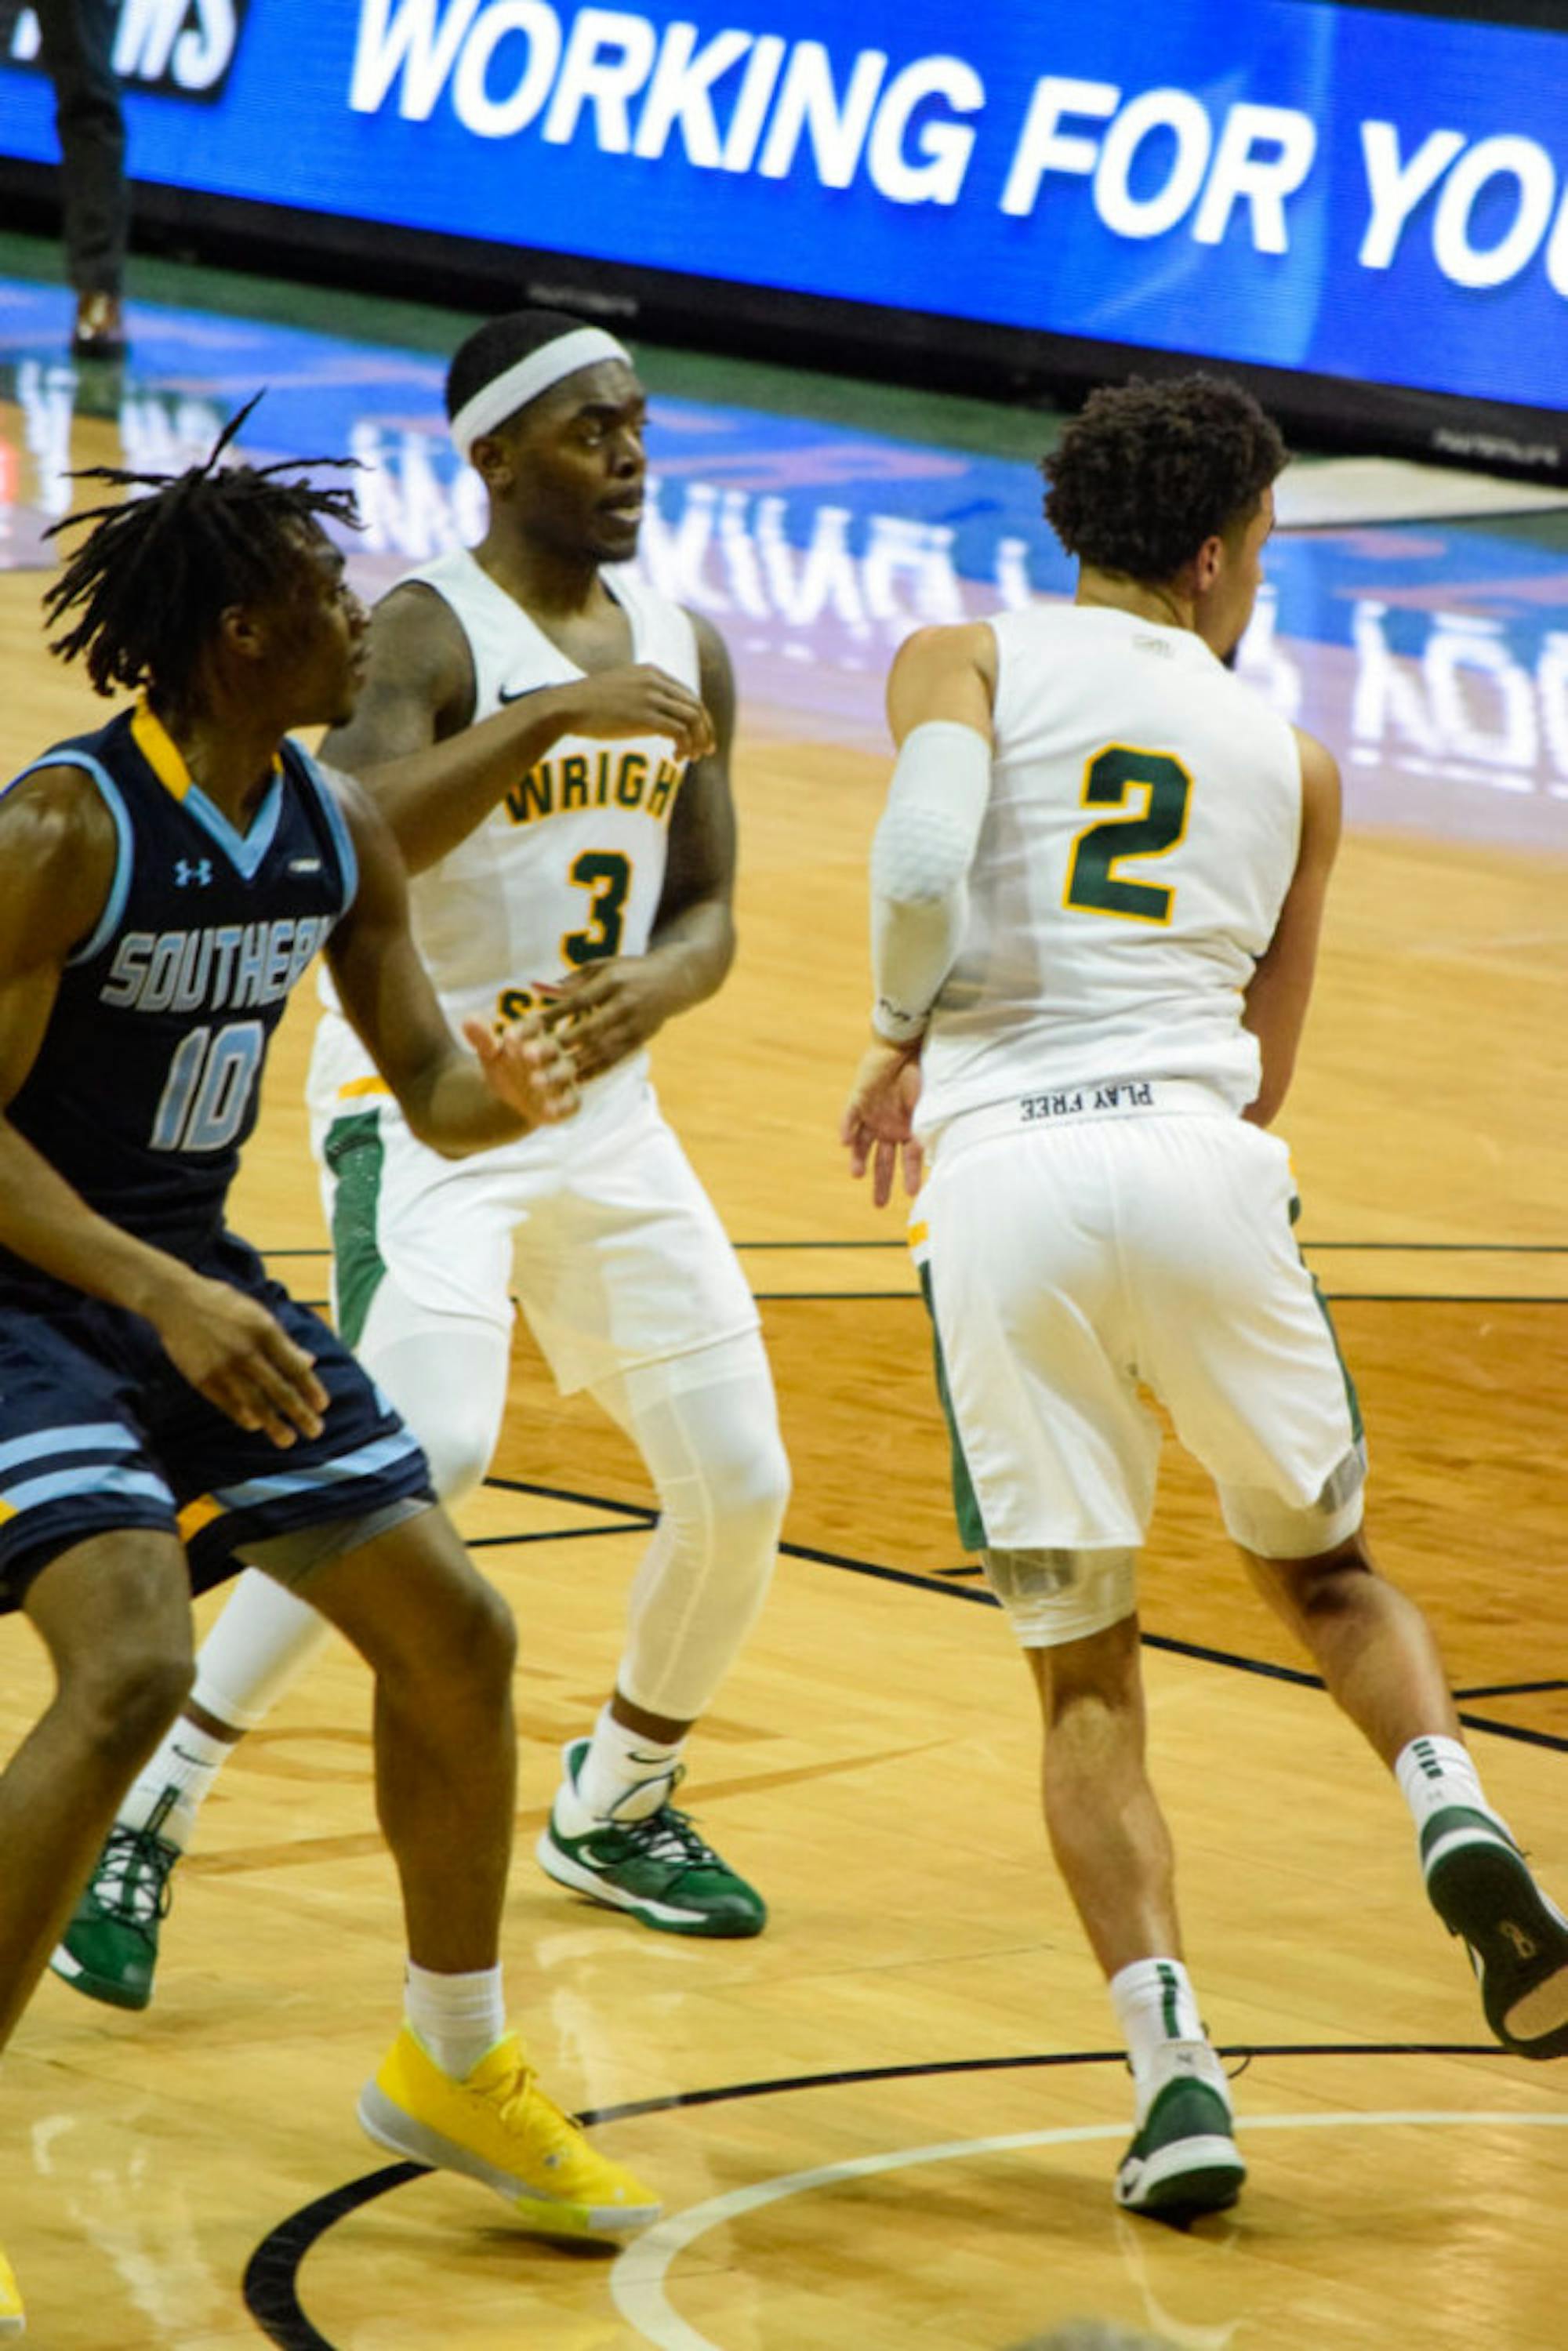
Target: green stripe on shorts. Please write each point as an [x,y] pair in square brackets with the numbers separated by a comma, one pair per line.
[966,1502]
[354,1155]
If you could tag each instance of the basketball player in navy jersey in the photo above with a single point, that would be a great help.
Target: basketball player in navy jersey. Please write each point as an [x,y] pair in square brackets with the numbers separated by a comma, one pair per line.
[164,1408]
[547,737]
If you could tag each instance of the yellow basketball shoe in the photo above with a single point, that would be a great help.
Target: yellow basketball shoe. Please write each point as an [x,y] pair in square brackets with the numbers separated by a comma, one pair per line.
[12,2319]
[498,2126]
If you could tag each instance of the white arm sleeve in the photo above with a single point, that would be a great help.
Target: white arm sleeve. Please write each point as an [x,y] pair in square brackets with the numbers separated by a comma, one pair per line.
[920,860]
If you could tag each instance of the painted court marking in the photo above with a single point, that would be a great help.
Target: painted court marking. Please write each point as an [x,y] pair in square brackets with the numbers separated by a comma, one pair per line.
[637,2279]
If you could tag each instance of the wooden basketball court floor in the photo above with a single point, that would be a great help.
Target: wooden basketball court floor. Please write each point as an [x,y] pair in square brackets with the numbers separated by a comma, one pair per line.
[892,2120]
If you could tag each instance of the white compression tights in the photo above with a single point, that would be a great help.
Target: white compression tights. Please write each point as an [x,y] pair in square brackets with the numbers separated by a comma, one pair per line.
[706,1426]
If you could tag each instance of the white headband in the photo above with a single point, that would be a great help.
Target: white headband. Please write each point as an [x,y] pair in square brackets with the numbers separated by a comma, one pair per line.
[528,377]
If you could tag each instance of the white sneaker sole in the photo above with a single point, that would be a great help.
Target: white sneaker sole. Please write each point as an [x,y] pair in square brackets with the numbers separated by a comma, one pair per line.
[394,2128]
[566,1872]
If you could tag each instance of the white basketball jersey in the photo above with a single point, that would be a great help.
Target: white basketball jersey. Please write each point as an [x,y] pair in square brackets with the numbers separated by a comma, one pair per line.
[569,866]
[1140,837]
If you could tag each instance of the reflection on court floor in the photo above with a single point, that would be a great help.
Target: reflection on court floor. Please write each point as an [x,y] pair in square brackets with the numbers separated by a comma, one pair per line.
[1432,654]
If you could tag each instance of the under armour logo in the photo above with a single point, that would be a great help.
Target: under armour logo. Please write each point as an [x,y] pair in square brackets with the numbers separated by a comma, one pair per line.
[1524,1943]
[199,871]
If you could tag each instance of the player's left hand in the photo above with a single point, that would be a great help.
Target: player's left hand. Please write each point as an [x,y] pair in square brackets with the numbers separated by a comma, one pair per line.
[526,1069]
[877,1128]
[607,1009]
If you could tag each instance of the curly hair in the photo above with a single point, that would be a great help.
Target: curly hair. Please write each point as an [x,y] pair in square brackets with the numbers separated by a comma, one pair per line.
[1149,471]
[157,571]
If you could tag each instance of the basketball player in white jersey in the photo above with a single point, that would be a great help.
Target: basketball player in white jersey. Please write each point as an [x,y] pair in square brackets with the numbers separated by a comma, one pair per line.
[1096,894]
[548,739]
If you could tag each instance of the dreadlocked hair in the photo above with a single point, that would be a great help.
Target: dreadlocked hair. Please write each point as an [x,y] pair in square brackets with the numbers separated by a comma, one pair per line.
[153,577]
[1149,471]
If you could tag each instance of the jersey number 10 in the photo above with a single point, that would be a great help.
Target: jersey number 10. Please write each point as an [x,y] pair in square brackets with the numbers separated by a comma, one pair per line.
[207,1093]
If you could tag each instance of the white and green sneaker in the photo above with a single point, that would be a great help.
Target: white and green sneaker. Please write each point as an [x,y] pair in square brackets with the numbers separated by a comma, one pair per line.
[657,1868]
[1480,1886]
[1182,2160]
[110,1950]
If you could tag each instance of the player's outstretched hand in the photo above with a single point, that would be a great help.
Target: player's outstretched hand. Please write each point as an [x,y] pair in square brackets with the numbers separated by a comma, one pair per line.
[641,699]
[877,1128]
[607,1009]
[232,1351]
[528,1068]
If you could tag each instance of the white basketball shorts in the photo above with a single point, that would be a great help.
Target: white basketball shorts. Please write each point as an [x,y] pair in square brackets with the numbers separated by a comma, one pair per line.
[599,1227]
[1071,1265]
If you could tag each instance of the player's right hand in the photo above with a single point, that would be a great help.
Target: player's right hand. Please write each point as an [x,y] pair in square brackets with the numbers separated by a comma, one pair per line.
[233,1353]
[641,699]
[528,1068]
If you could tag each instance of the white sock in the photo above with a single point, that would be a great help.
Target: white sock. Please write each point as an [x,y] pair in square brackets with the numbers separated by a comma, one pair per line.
[459,2019]
[1434,1773]
[622,1775]
[185,1764]
[1156,2009]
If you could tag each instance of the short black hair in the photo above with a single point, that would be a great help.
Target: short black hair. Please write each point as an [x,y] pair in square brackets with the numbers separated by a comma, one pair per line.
[1149,471]
[499,344]
[156,573]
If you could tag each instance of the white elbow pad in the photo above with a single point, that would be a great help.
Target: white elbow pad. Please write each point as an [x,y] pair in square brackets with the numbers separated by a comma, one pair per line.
[920,862]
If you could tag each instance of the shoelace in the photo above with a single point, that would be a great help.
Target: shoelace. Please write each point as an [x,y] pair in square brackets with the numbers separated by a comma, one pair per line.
[133,1880]
[525,2106]
[669,1835]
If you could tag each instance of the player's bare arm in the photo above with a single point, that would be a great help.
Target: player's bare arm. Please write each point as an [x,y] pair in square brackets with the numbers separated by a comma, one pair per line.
[1280,988]
[57,853]
[944,678]
[455,1101]
[609,1009]
[946,673]
[435,774]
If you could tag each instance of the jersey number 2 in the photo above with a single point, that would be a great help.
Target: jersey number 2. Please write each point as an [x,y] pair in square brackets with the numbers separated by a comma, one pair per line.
[1092,882]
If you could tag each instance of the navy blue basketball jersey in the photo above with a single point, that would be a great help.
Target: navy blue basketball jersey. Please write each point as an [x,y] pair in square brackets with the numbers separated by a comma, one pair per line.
[147,1081]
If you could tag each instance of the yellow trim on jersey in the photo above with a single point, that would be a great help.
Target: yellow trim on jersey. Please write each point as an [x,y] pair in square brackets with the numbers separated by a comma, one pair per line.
[197,1515]
[918,1233]
[163,754]
[356,1086]
[159,750]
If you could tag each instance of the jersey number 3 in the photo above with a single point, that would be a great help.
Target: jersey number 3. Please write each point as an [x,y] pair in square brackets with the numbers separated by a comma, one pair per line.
[606,875]
[1092,881]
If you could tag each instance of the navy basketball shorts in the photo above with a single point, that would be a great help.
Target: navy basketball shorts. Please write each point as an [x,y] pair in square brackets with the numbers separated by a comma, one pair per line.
[99,1432]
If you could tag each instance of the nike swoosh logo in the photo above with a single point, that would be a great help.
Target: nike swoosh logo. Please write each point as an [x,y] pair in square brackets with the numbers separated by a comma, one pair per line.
[520,694]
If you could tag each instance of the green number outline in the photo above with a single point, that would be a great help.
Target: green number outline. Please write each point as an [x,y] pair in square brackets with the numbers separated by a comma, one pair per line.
[1093,884]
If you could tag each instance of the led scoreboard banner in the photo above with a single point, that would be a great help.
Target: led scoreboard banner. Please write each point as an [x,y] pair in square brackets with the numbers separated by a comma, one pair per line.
[1363,209]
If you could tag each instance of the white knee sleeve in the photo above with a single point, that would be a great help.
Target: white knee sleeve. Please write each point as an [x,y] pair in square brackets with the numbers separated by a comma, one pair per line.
[707,1427]
[1055,1596]
[258,1647]
[446,1374]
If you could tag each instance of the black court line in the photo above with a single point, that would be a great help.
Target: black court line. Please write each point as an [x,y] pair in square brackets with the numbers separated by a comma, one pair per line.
[939,1583]
[271,2276]
[1510,1689]
[561,1534]
[1195,1649]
